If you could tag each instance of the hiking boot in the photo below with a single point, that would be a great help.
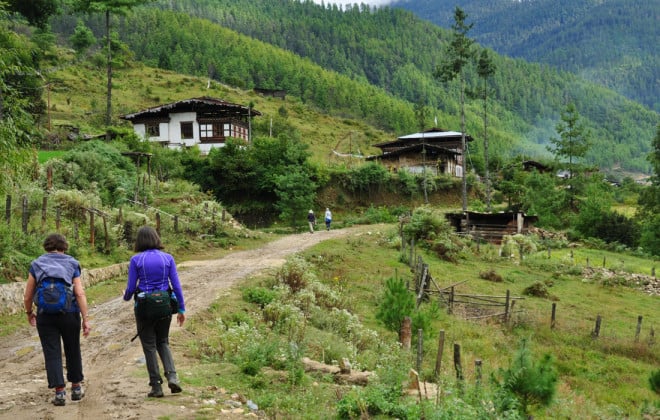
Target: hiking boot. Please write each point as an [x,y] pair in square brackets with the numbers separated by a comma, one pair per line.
[156,391]
[173,383]
[77,393]
[60,398]
[174,387]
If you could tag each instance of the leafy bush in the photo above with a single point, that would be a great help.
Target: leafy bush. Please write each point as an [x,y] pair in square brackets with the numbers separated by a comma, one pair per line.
[94,167]
[295,273]
[654,381]
[286,319]
[518,243]
[425,223]
[373,215]
[259,295]
[255,355]
[383,396]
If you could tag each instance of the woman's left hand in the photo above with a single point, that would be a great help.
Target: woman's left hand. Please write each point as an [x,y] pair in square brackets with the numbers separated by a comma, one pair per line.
[86,327]
[180,318]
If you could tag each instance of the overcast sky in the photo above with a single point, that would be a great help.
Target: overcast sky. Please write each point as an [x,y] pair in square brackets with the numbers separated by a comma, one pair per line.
[351,2]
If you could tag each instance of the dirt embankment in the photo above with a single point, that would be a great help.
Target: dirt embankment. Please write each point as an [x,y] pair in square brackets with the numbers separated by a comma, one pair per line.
[115,384]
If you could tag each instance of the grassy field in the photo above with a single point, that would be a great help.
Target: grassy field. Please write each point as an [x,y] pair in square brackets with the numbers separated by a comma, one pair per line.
[234,347]
[604,377]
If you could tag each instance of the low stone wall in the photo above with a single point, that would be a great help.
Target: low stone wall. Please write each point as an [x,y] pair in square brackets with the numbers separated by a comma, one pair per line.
[11,295]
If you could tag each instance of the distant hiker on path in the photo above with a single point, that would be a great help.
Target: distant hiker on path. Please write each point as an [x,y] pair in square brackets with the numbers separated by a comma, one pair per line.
[311,219]
[328,218]
[152,273]
[54,285]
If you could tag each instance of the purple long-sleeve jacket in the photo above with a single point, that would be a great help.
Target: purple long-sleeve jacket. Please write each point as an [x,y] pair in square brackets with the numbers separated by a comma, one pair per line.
[152,270]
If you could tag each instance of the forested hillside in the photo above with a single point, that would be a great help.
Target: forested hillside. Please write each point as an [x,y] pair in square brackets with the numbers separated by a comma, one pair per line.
[612,43]
[388,48]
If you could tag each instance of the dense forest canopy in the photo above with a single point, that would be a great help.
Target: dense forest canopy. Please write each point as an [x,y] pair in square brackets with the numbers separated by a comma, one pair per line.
[612,43]
[384,47]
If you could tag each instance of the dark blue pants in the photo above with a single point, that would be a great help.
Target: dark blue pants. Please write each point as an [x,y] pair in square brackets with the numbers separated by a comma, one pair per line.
[154,336]
[57,331]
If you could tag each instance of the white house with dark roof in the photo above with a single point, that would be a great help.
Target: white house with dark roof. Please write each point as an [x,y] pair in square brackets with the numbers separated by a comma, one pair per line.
[203,122]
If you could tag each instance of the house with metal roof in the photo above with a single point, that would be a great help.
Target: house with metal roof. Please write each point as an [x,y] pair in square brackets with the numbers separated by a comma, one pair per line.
[436,151]
[204,122]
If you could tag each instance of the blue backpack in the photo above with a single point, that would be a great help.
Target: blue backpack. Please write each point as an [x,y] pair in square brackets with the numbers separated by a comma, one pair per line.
[53,296]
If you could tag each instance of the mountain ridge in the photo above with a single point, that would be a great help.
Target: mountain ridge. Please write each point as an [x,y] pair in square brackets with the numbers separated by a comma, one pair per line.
[359,44]
[612,43]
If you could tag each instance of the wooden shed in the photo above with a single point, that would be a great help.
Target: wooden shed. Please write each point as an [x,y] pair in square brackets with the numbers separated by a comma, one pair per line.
[491,227]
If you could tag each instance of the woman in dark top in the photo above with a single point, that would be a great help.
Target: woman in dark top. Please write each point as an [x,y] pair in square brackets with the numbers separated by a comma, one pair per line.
[59,330]
[151,270]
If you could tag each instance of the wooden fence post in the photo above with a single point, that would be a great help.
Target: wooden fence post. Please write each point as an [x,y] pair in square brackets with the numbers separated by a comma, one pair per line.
[26,215]
[596,331]
[441,348]
[553,317]
[450,308]
[457,362]
[405,333]
[651,337]
[477,368]
[8,209]
[420,349]
[105,232]
[639,328]
[49,178]
[506,306]
[92,239]
[44,208]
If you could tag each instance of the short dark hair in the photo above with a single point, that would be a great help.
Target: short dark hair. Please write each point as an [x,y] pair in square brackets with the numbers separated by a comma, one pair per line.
[147,238]
[56,242]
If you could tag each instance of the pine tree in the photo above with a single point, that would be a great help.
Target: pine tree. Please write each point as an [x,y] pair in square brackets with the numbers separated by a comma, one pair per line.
[485,69]
[457,56]
[572,144]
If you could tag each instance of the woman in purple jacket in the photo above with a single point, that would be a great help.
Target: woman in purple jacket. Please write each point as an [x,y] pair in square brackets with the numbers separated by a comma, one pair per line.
[149,270]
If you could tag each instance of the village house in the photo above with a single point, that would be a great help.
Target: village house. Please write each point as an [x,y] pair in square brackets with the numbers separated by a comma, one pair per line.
[435,150]
[203,122]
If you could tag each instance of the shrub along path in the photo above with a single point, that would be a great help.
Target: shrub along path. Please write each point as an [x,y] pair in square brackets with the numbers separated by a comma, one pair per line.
[115,376]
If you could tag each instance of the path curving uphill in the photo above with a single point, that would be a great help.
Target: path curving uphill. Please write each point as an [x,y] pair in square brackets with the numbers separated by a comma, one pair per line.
[115,385]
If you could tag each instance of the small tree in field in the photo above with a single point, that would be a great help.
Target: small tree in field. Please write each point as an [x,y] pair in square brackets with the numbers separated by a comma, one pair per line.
[397,303]
[532,383]
[572,143]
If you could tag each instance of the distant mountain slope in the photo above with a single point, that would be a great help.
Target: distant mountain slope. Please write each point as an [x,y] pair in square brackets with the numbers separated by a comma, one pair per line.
[610,42]
[389,49]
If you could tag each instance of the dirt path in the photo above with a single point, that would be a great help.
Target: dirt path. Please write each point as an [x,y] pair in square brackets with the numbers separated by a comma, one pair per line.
[115,375]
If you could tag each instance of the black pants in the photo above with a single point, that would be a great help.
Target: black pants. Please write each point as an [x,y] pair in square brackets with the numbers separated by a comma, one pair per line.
[155,339]
[57,331]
